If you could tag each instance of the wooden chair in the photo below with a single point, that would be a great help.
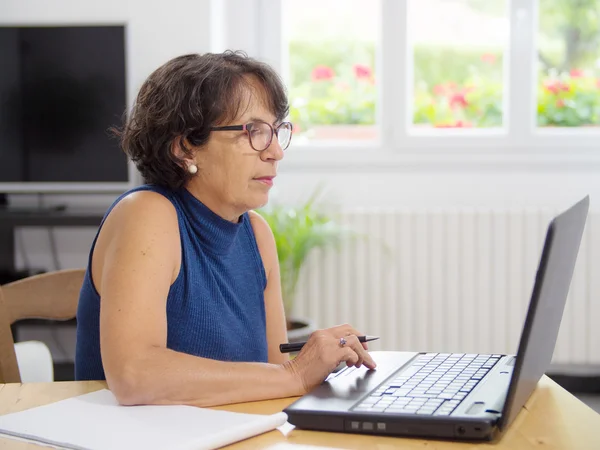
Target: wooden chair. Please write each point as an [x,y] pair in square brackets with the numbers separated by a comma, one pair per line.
[52,295]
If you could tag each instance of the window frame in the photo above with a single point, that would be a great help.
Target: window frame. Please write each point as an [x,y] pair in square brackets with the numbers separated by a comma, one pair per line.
[520,143]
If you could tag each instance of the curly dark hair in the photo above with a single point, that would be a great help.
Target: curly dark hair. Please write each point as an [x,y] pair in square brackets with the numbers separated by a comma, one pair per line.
[182,100]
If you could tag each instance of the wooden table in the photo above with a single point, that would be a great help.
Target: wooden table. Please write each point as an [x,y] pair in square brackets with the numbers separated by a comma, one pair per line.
[552,419]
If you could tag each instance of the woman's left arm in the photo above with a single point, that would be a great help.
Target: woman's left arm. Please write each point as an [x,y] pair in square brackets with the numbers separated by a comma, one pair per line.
[276,323]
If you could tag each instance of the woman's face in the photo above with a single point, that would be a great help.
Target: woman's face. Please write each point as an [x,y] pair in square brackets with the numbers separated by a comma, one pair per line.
[232,177]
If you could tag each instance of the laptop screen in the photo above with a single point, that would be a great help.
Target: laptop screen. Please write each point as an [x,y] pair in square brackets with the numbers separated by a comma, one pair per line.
[549,296]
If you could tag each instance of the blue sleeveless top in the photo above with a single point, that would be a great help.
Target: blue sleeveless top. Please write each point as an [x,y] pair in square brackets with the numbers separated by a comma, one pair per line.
[215,308]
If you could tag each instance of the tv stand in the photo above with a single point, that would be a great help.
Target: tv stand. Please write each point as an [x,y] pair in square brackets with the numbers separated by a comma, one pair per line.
[32,209]
[61,216]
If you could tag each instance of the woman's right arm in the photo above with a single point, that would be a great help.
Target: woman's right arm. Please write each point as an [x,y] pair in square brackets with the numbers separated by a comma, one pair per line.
[136,259]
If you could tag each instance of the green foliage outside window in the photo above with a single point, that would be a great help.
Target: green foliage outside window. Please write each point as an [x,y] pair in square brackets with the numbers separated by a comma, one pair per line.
[335,82]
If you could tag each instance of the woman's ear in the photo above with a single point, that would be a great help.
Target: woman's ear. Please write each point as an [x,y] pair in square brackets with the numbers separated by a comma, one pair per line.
[184,153]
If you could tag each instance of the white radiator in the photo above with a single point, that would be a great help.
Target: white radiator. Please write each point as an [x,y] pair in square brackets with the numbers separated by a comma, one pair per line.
[456,280]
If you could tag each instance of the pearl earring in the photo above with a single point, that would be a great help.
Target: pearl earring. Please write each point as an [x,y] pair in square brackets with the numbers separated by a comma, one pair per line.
[192,168]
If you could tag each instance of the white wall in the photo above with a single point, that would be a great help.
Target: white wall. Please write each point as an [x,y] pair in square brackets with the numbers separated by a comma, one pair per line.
[439,188]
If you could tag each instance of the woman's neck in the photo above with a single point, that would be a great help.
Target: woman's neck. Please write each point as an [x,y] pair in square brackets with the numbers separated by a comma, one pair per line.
[220,208]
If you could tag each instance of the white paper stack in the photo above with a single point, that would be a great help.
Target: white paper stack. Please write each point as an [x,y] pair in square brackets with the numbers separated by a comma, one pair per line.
[96,421]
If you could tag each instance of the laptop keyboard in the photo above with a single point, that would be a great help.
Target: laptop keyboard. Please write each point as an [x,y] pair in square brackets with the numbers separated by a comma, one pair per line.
[433,385]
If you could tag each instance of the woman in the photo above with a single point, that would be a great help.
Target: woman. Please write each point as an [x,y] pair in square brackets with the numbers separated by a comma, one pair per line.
[181,302]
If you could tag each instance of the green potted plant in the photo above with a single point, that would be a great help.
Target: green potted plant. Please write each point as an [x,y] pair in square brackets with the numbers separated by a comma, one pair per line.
[298,231]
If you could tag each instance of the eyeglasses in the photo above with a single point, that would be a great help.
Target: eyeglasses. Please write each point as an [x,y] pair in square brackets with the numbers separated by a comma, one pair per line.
[260,134]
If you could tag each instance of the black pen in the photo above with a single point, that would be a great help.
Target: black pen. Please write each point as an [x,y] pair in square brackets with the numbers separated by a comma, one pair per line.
[297,346]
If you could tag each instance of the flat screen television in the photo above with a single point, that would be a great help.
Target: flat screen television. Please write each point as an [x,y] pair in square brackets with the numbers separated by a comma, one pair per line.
[61,89]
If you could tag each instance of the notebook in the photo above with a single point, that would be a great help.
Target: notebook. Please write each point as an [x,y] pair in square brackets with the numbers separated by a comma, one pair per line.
[96,421]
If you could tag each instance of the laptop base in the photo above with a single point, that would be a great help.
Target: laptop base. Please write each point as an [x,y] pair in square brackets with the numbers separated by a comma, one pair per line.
[332,405]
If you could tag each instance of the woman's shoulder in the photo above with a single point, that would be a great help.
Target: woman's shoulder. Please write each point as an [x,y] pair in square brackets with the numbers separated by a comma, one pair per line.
[144,206]
[264,237]
[142,226]
[154,199]
[261,227]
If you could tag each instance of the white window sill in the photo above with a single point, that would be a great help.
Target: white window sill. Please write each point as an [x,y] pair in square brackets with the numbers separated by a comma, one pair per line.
[363,157]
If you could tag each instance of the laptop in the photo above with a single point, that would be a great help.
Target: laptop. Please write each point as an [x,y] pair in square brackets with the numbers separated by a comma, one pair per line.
[453,395]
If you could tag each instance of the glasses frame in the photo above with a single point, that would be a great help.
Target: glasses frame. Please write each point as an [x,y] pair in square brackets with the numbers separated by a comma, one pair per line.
[247,129]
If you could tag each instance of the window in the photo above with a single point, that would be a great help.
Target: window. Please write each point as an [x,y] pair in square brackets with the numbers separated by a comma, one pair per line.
[407,78]
[458,52]
[568,91]
[331,71]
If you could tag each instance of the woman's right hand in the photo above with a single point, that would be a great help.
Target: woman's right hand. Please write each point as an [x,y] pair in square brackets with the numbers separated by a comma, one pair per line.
[323,352]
